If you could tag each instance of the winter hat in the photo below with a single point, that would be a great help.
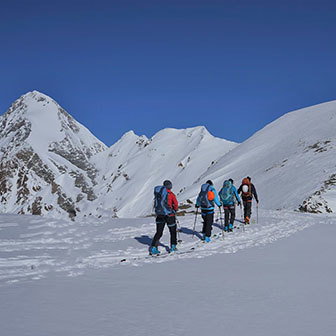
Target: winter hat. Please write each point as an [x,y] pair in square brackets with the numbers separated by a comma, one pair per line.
[231,181]
[209,182]
[168,184]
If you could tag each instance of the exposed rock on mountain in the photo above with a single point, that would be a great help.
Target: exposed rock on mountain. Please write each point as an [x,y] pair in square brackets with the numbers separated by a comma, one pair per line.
[45,158]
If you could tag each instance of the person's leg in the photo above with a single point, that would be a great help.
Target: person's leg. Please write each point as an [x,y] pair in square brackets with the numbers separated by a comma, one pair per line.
[232,210]
[171,221]
[245,203]
[203,227]
[209,221]
[226,211]
[249,209]
[160,223]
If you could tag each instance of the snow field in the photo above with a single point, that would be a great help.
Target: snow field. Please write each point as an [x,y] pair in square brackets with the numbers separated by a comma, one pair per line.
[33,248]
[283,288]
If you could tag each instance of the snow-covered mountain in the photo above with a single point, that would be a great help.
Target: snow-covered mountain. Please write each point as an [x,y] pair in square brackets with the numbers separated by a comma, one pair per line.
[52,165]
[131,168]
[291,161]
[45,166]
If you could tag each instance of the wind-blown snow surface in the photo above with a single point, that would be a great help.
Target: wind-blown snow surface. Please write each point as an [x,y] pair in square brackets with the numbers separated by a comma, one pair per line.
[291,161]
[66,278]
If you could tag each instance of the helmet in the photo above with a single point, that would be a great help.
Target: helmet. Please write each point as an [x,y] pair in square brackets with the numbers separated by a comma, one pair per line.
[168,184]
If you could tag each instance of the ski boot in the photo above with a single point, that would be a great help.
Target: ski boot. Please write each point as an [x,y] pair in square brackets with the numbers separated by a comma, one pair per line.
[230,228]
[226,228]
[173,248]
[247,220]
[207,240]
[154,251]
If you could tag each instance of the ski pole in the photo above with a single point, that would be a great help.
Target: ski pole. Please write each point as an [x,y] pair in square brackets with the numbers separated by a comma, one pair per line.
[241,213]
[221,219]
[257,213]
[195,223]
[178,229]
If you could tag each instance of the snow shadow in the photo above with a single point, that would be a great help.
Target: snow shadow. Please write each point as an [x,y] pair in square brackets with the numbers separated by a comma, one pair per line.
[146,240]
[188,231]
[218,225]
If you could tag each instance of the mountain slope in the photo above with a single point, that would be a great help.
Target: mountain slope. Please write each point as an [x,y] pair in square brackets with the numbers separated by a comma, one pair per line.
[291,161]
[131,168]
[52,165]
[45,154]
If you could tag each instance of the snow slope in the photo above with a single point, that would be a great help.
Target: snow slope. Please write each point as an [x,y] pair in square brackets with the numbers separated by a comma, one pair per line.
[52,165]
[65,278]
[291,161]
[45,167]
[131,168]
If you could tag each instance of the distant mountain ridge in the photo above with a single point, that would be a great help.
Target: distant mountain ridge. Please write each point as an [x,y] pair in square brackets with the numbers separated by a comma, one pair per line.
[130,169]
[291,161]
[52,165]
[45,158]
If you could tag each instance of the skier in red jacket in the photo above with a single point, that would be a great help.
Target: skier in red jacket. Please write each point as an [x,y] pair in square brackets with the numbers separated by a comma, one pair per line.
[166,206]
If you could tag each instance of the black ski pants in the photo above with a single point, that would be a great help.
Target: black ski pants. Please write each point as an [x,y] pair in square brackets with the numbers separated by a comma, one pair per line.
[161,221]
[247,208]
[230,214]
[208,218]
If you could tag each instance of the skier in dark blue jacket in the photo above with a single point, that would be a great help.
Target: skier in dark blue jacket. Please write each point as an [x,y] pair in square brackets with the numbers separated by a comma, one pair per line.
[207,198]
[228,195]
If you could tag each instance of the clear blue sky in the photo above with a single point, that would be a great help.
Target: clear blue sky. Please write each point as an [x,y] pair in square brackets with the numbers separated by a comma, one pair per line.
[232,66]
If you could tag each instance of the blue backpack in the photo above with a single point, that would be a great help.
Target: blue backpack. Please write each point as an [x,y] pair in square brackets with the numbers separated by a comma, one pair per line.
[161,201]
[203,196]
[226,193]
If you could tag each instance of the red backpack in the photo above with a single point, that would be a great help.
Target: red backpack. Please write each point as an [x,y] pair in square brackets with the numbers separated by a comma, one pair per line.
[246,182]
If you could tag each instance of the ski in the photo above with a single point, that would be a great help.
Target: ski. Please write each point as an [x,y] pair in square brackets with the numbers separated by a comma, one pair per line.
[200,243]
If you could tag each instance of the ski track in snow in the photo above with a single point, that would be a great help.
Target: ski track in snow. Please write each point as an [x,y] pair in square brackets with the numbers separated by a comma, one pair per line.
[31,249]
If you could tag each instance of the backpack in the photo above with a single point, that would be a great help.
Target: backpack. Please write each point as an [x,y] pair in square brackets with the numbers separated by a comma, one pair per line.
[246,182]
[226,193]
[206,196]
[161,201]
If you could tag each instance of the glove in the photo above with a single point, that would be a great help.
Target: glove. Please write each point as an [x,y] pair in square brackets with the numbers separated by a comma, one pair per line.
[239,203]
[196,206]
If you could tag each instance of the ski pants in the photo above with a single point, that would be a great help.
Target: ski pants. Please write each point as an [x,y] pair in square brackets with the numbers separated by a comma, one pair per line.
[161,221]
[247,208]
[208,218]
[230,214]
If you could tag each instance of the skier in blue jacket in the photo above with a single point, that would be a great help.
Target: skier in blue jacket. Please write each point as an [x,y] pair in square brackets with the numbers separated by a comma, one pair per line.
[228,194]
[206,200]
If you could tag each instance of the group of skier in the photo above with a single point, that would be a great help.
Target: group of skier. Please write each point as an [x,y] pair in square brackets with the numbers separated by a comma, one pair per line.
[166,206]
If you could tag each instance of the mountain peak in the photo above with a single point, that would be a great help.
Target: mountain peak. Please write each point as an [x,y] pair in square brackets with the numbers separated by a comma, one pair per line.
[37,95]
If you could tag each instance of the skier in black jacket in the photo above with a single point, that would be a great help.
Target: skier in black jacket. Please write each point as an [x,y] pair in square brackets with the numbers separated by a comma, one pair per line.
[248,190]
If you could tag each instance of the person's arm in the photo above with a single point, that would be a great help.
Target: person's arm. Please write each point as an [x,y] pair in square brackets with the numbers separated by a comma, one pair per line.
[240,189]
[236,194]
[197,202]
[254,192]
[217,201]
[172,201]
